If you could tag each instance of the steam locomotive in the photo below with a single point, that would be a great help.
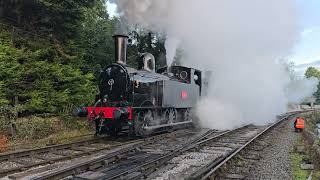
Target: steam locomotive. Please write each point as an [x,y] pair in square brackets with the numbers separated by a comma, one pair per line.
[143,100]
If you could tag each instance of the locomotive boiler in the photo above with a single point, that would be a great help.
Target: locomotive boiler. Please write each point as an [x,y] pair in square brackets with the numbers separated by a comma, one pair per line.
[142,100]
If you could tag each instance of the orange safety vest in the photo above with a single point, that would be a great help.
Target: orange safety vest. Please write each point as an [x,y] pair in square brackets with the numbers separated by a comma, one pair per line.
[300,123]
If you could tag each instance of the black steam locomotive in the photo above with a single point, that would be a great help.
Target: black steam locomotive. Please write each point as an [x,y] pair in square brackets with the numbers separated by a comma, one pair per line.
[143,100]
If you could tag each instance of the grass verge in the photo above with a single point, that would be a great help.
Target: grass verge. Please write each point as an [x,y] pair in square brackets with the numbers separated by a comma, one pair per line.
[298,173]
[35,132]
[297,158]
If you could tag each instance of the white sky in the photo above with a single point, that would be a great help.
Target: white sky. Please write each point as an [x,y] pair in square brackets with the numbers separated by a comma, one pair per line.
[111,8]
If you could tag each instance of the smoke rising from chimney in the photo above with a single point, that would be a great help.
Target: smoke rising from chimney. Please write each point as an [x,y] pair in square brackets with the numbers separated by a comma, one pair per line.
[240,41]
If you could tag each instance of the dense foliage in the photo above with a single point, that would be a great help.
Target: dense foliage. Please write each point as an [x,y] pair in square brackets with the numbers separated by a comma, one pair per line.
[51,52]
[314,72]
[40,79]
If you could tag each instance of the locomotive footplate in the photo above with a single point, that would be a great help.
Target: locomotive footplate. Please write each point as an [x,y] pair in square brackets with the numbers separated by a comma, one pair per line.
[109,120]
[112,113]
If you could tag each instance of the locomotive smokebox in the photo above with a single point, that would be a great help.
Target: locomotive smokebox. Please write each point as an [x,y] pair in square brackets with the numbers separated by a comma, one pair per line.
[120,42]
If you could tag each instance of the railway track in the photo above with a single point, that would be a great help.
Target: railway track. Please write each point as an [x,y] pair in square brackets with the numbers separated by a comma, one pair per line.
[141,158]
[211,156]
[146,168]
[96,160]
[208,171]
[217,148]
[17,161]
[123,162]
[31,145]
[106,160]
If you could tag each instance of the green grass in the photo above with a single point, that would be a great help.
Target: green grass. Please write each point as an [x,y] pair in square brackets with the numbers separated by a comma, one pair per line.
[311,120]
[38,132]
[64,136]
[296,160]
[316,175]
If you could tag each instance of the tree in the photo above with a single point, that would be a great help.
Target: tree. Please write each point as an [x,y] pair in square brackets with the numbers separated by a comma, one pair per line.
[146,42]
[50,50]
[41,62]
[41,85]
[3,100]
[95,40]
[61,19]
[314,72]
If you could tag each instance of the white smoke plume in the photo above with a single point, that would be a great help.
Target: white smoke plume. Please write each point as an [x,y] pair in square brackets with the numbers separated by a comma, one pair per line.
[299,89]
[239,41]
[171,46]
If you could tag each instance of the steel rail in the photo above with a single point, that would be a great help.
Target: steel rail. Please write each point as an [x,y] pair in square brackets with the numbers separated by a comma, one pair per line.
[102,160]
[30,152]
[209,170]
[16,147]
[105,159]
[148,167]
[44,161]
[153,164]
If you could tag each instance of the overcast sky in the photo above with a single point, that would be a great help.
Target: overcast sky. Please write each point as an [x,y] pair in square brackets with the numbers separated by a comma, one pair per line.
[308,49]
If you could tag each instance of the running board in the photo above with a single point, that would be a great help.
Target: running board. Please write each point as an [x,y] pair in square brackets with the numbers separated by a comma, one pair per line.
[166,125]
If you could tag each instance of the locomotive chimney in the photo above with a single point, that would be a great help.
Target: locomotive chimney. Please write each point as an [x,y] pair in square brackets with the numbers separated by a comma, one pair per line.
[120,42]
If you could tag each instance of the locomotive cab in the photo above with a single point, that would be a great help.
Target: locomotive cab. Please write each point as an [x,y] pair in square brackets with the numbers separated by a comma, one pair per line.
[183,74]
[186,75]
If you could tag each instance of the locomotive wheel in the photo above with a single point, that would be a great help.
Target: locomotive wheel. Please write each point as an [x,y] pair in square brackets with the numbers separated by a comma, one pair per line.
[113,131]
[171,115]
[187,115]
[142,120]
[131,133]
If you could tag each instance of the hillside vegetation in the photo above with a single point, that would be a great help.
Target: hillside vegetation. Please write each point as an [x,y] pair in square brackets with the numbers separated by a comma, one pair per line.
[51,53]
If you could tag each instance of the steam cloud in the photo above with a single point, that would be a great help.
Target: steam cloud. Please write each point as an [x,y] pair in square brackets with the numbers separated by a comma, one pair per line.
[299,89]
[240,42]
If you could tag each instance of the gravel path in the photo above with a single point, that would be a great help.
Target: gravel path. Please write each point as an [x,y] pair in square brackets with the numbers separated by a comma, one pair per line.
[275,158]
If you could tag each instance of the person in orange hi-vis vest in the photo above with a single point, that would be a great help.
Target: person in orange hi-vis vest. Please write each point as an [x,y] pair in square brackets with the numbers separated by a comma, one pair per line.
[299,124]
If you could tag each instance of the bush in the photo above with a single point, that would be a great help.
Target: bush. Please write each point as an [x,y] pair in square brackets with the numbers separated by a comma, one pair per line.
[3,124]
[40,82]
[74,123]
[35,127]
